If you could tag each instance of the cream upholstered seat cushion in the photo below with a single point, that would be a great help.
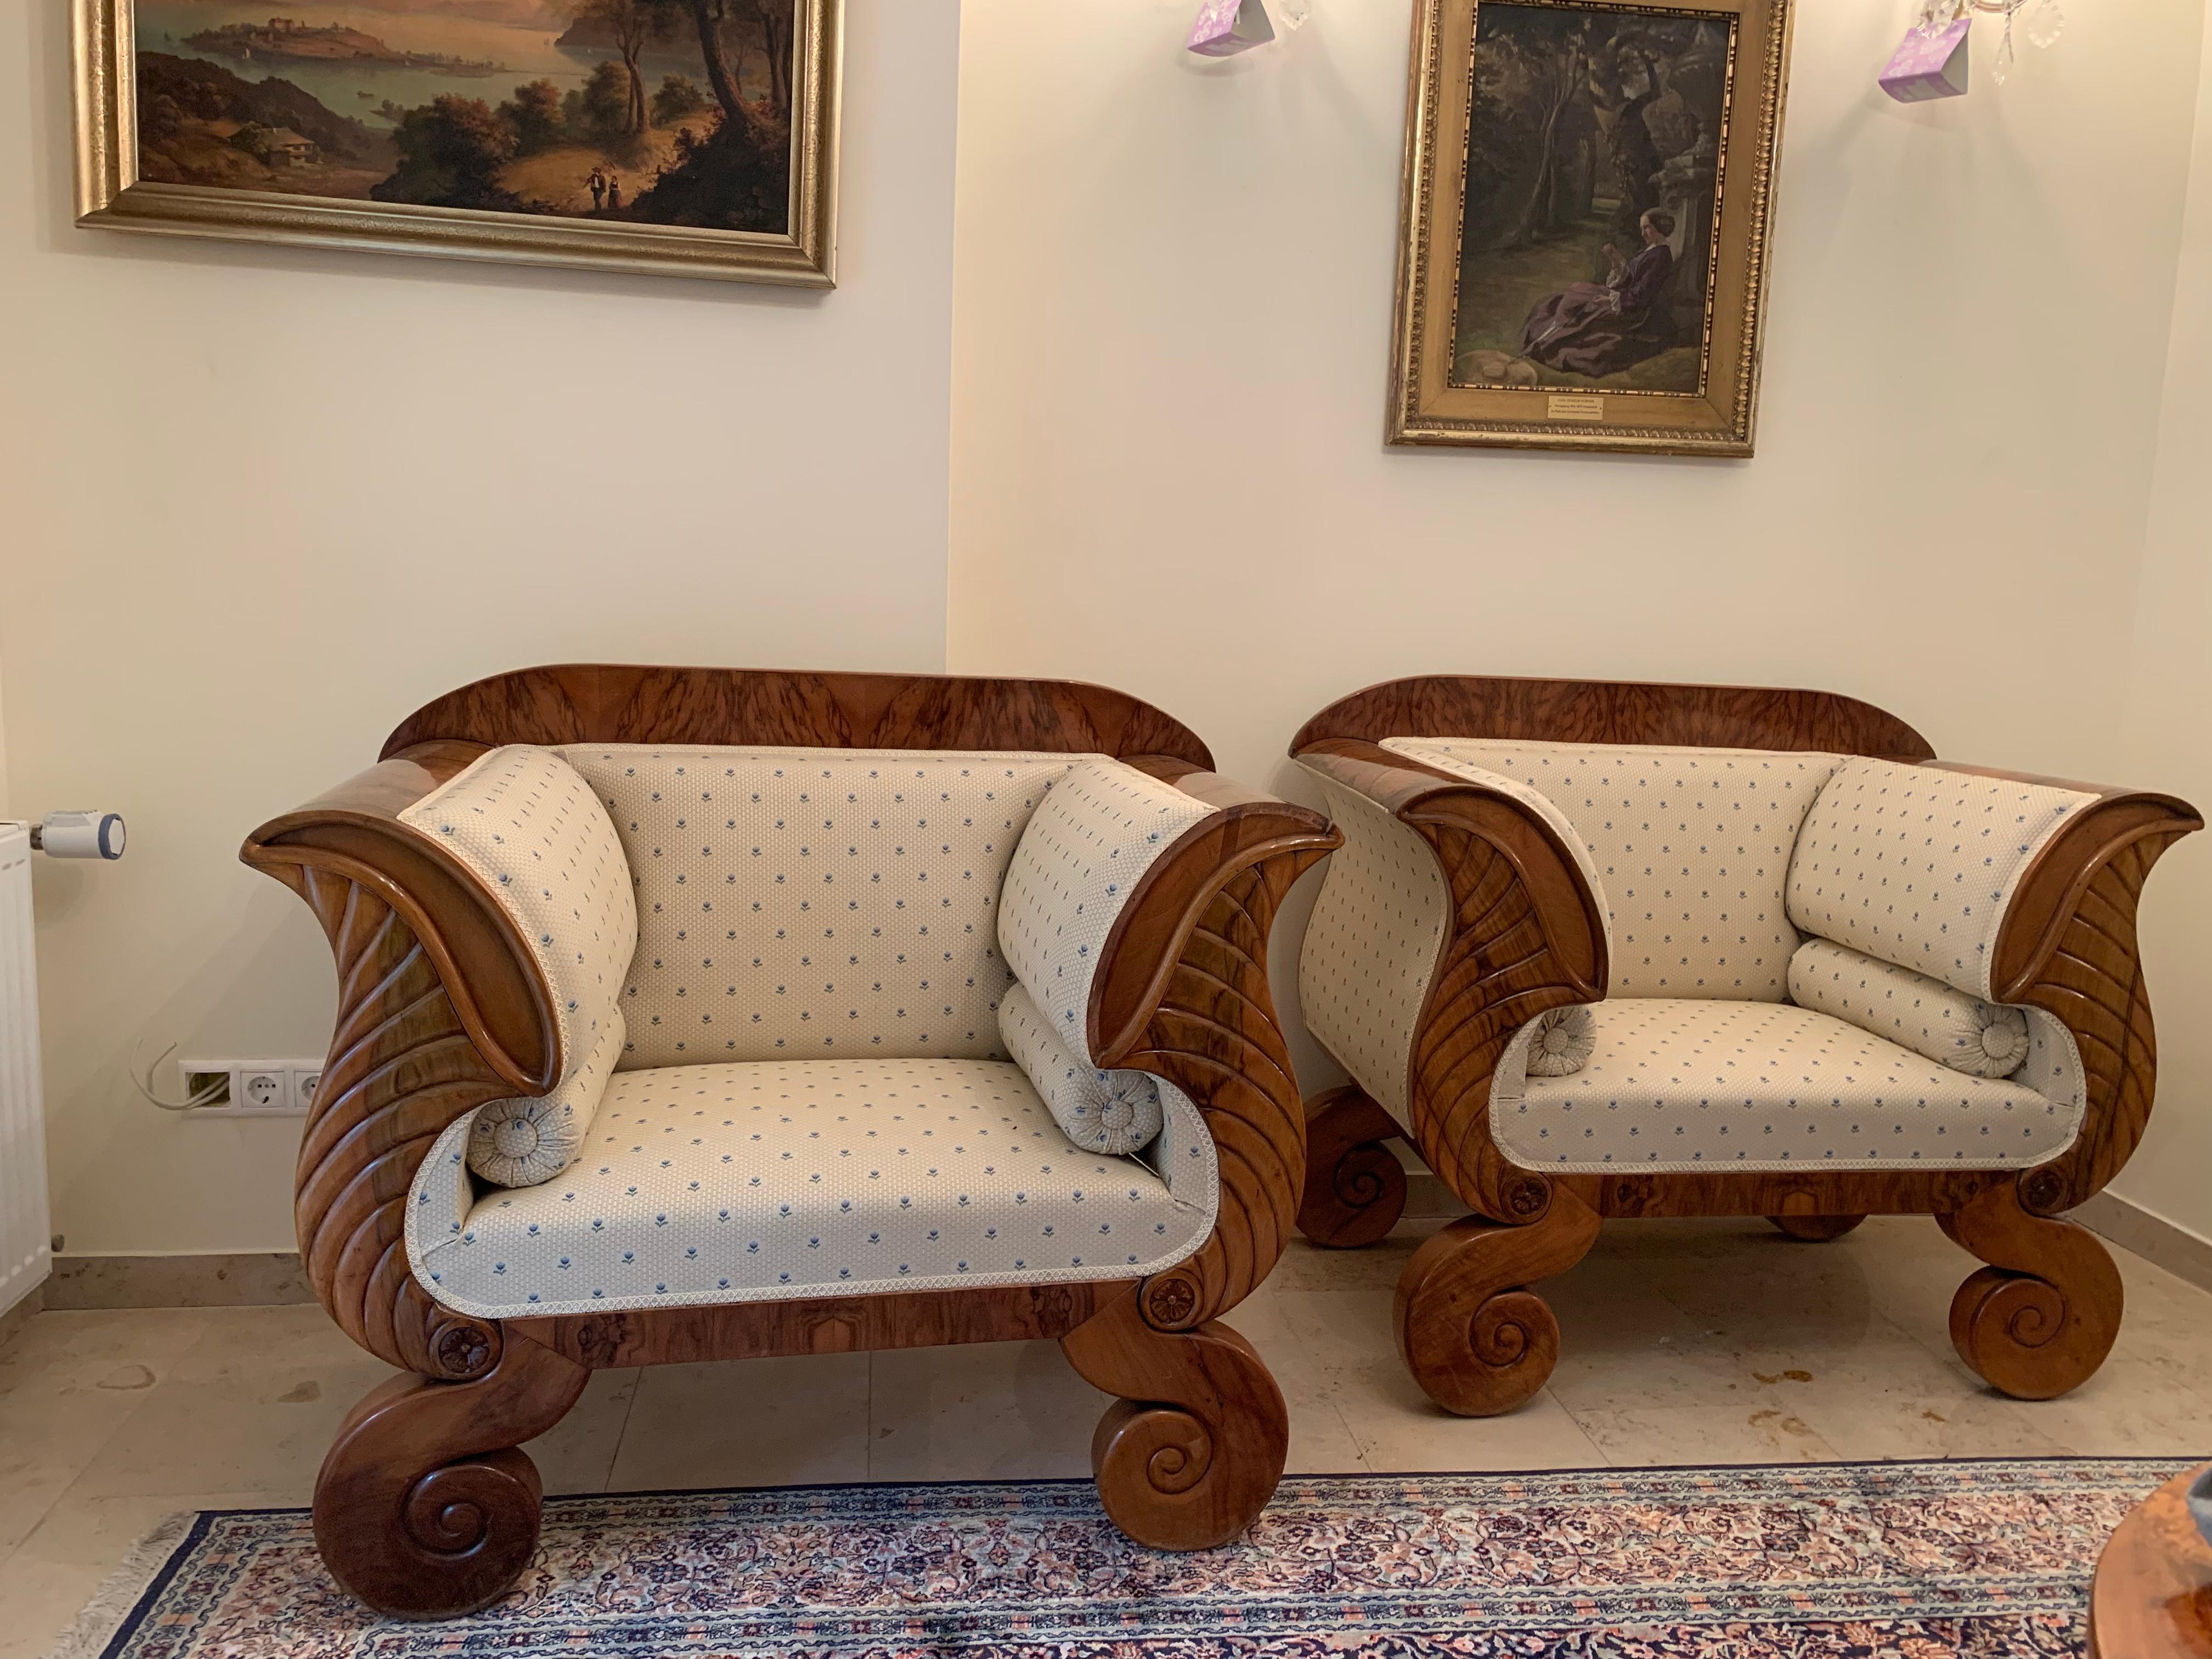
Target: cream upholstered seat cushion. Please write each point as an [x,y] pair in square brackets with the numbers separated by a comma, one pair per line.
[707,1184]
[1916,866]
[1681,1084]
[1983,1039]
[815,903]
[1692,846]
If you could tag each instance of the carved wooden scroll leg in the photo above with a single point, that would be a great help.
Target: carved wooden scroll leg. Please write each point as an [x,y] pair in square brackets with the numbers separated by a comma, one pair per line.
[2040,1318]
[1193,1450]
[1355,1187]
[1816,1229]
[1475,1338]
[424,1507]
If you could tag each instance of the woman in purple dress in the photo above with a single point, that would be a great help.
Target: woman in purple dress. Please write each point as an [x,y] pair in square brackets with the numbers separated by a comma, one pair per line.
[1602,328]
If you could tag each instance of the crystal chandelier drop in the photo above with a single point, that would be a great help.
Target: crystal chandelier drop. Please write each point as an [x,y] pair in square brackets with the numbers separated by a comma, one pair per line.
[2045,20]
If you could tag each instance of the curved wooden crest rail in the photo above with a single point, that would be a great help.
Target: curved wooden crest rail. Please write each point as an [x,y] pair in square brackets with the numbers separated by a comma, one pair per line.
[1526,935]
[425,1507]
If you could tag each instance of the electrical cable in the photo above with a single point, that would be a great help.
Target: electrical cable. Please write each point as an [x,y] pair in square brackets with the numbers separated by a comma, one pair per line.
[213,1092]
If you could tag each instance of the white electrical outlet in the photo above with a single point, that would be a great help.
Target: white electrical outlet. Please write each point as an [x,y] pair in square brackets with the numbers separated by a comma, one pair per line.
[264,1091]
[250,1088]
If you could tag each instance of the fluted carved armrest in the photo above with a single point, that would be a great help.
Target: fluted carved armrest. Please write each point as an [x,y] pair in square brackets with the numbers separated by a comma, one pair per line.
[1138,923]
[2112,824]
[1246,831]
[1469,907]
[1546,854]
[1957,872]
[2065,942]
[449,996]
[1071,896]
[352,836]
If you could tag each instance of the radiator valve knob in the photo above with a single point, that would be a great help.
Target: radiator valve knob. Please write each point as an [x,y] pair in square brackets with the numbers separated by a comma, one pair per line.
[79,834]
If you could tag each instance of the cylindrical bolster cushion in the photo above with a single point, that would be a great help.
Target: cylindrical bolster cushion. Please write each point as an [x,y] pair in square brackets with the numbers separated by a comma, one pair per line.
[1982,1039]
[1116,1112]
[1563,1041]
[523,1143]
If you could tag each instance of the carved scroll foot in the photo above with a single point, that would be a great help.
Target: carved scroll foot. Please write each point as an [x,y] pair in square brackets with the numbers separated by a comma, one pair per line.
[424,1508]
[2038,1321]
[1815,1229]
[1193,1450]
[1355,1187]
[1476,1339]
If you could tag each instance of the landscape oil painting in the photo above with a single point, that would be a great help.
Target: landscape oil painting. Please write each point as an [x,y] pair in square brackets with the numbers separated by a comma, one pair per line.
[1588,192]
[583,118]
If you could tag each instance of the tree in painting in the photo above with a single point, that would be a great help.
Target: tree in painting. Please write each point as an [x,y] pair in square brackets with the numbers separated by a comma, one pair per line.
[450,152]
[1593,148]
[739,173]
[600,113]
[633,24]
[679,96]
[533,114]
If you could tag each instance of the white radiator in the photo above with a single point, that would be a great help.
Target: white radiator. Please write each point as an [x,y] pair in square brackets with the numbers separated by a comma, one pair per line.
[26,1254]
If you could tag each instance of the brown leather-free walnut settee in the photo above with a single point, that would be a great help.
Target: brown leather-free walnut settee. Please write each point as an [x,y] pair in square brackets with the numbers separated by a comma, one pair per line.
[698,1013]
[1605,950]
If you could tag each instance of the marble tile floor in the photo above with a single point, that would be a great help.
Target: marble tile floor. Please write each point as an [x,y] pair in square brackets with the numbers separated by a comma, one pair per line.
[1682,1342]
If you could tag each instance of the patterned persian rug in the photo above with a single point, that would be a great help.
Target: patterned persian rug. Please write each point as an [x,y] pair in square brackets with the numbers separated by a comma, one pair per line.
[1867,1561]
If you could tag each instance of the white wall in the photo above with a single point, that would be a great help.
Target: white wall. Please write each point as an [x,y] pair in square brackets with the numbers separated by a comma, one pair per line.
[1173,295]
[2167,735]
[261,504]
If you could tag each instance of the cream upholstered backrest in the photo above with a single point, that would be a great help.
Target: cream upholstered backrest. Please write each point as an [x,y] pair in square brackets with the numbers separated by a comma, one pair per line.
[1916,864]
[815,903]
[1692,846]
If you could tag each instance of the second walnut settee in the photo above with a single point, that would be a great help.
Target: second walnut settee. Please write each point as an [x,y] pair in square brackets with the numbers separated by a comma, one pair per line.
[1609,949]
[691,1014]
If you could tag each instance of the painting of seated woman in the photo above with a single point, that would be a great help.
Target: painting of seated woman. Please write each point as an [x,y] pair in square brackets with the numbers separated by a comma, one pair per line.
[1602,328]
[1592,197]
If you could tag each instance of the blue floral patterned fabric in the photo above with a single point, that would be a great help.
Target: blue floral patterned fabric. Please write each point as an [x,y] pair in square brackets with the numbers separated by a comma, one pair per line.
[702,1184]
[1690,1085]
[815,903]
[1916,864]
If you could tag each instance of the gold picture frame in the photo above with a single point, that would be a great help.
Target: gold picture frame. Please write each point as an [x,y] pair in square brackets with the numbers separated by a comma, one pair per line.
[1512,333]
[112,194]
